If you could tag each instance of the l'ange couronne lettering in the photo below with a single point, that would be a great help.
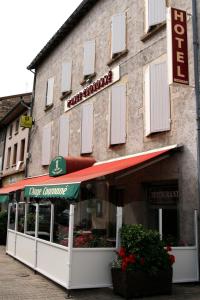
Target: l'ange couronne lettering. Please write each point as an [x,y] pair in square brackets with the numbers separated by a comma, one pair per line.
[48,191]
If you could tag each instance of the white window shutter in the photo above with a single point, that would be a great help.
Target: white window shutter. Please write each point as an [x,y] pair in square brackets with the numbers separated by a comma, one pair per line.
[118,115]
[66,77]
[157,100]
[46,144]
[89,58]
[64,136]
[118,42]
[87,128]
[49,95]
[156,12]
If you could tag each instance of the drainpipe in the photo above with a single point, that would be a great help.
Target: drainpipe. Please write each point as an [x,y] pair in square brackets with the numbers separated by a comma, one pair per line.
[197,86]
[29,133]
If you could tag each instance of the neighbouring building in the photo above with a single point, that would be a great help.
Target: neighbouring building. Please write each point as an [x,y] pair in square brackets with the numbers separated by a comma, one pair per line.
[14,140]
[115,84]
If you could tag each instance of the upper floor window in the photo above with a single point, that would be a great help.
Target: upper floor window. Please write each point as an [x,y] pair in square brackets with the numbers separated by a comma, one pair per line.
[8,158]
[10,130]
[118,32]
[14,155]
[64,136]
[66,77]
[17,126]
[89,58]
[155,13]
[87,128]
[49,92]
[22,150]
[157,100]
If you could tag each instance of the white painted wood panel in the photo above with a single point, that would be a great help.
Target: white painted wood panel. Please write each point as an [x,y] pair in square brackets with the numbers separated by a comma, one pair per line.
[118,28]
[89,58]
[118,115]
[66,76]
[87,128]
[49,95]
[46,144]
[155,12]
[64,136]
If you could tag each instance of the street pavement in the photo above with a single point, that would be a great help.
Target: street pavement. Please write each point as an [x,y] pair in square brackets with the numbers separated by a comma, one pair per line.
[18,282]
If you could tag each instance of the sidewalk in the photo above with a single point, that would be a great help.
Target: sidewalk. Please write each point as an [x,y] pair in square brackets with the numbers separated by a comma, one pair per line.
[18,282]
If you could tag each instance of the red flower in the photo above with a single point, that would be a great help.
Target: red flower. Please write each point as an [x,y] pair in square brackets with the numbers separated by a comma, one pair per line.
[132,258]
[171,259]
[168,248]
[142,261]
[122,252]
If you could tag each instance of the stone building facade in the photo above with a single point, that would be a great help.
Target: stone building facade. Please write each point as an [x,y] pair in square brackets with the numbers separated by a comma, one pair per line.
[137,112]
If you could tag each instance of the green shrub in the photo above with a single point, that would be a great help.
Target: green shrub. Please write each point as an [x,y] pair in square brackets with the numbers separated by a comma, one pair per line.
[3,227]
[142,249]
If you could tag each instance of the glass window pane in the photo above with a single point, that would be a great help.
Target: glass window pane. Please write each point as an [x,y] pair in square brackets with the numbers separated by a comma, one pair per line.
[95,218]
[44,221]
[12,216]
[21,216]
[61,222]
[31,211]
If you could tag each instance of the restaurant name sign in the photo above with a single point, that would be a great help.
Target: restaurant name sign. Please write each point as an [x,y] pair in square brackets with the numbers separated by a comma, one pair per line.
[66,191]
[111,77]
[178,46]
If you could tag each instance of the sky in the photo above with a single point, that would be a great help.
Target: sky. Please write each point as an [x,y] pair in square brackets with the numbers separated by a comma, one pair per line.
[25,28]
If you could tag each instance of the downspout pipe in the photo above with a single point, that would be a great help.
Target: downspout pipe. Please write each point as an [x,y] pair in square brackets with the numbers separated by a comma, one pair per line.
[29,133]
[197,85]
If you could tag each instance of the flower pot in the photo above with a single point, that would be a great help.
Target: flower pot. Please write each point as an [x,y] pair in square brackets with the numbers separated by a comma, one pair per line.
[133,284]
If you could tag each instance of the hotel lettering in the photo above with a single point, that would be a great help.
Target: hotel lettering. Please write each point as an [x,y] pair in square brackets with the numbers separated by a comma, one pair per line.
[179,46]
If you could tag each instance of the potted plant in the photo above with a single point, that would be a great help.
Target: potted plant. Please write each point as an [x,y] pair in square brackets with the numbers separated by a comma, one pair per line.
[143,266]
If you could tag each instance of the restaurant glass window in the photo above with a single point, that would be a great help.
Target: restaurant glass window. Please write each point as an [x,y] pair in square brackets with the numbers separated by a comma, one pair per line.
[31,214]
[61,222]
[12,216]
[95,218]
[21,217]
[44,221]
[164,196]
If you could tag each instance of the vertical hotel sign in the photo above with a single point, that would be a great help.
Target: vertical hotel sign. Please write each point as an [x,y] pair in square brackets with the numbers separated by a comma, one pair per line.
[177,46]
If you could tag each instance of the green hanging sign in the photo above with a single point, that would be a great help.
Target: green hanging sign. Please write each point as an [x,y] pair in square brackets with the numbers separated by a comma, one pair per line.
[57,166]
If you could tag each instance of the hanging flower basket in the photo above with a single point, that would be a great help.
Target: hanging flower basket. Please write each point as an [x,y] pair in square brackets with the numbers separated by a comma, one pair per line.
[143,266]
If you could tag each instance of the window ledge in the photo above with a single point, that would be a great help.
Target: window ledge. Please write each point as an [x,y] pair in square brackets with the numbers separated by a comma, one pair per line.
[117,56]
[10,137]
[65,95]
[88,79]
[153,30]
[16,132]
[47,107]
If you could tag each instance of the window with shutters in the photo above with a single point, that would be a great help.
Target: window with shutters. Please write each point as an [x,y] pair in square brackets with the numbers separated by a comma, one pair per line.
[87,129]
[118,115]
[64,136]
[66,77]
[89,59]
[155,11]
[46,144]
[14,155]
[118,34]
[8,158]
[49,92]
[157,100]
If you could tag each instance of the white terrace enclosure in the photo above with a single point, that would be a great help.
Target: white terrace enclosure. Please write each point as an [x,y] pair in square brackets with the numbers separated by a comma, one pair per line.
[67,262]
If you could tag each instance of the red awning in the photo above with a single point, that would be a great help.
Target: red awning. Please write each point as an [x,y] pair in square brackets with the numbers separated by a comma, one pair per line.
[108,167]
[21,184]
